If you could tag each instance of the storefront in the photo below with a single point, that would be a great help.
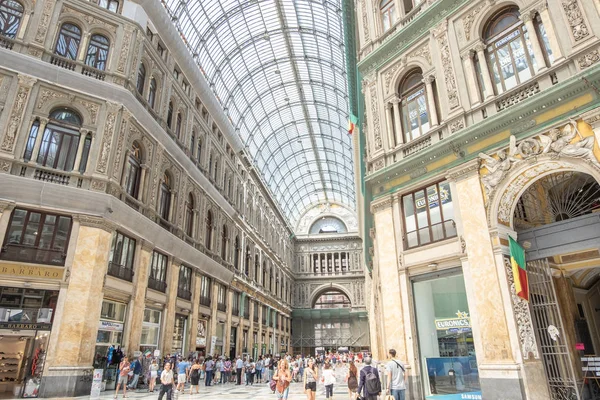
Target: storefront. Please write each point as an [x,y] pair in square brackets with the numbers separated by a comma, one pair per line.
[26,317]
[218,339]
[150,330]
[201,337]
[447,352]
[232,343]
[109,340]
[179,335]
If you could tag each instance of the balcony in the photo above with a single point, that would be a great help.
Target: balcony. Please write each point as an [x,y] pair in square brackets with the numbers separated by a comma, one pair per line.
[205,301]
[235,312]
[76,66]
[155,284]
[53,177]
[30,254]
[120,271]
[6,43]
[184,293]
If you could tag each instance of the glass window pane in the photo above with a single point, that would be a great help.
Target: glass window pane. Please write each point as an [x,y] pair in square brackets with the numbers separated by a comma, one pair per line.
[31,231]
[16,227]
[521,62]
[47,232]
[506,66]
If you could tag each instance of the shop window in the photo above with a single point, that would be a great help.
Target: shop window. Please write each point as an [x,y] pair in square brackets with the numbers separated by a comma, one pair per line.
[68,41]
[415,112]
[152,93]
[179,334]
[428,215]
[97,52]
[141,78]
[33,133]
[189,216]
[11,15]
[224,242]
[133,171]
[205,291]
[110,5]
[221,298]
[120,260]
[109,338]
[158,272]
[36,237]
[164,205]
[209,230]
[60,141]
[508,50]
[445,335]
[387,9]
[184,287]
[150,330]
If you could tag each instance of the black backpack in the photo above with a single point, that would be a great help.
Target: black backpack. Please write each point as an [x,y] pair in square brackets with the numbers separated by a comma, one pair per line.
[372,382]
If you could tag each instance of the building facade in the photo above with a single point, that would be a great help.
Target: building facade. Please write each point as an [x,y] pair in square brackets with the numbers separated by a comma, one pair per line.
[478,121]
[130,217]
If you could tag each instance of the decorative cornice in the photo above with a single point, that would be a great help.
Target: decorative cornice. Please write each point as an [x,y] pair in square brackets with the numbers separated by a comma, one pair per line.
[381,204]
[146,245]
[464,171]
[6,205]
[96,222]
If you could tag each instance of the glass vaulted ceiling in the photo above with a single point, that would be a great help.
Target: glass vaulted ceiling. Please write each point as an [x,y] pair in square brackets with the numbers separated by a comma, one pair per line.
[278,69]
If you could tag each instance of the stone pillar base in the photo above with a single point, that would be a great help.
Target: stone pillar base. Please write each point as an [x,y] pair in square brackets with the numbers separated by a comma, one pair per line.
[501,381]
[66,382]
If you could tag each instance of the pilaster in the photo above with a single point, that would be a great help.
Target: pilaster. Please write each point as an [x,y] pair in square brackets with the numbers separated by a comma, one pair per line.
[193,320]
[171,307]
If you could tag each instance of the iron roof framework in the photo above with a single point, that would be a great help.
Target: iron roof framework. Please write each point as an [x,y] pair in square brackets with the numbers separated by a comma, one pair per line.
[278,68]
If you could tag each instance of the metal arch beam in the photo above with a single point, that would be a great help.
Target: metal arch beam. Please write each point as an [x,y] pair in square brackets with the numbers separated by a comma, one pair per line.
[293,202]
[277,166]
[349,189]
[307,164]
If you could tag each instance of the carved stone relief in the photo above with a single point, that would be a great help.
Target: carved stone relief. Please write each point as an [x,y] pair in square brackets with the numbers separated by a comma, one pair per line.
[120,140]
[376,126]
[589,59]
[44,21]
[157,163]
[46,95]
[523,318]
[365,20]
[109,130]
[23,90]
[575,18]
[90,19]
[125,49]
[92,108]
[448,69]
[469,19]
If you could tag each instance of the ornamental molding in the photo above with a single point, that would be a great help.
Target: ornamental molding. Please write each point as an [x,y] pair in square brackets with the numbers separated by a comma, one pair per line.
[469,19]
[575,19]
[381,204]
[463,171]
[90,19]
[6,205]
[522,315]
[376,125]
[96,222]
[589,59]
[125,46]
[16,115]
[44,21]
[558,142]
[448,69]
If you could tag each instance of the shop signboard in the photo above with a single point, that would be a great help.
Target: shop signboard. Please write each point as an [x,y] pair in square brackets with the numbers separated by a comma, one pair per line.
[96,384]
[25,326]
[463,321]
[156,353]
[213,344]
[110,326]
[32,271]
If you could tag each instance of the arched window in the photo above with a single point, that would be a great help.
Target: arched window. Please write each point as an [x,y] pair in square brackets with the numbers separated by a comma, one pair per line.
[388,13]
[247,262]
[193,144]
[170,115]
[141,78]
[209,230]
[110,5]
[165,198]
[68,41]
[189,216]
[152,93]
[509,53]
[199,150]
[224,240]
[11,14]
[33,133]
[178,125]
[97,52]
[133,170]
[236,254]
[61,140]
[415,114]
[332,299]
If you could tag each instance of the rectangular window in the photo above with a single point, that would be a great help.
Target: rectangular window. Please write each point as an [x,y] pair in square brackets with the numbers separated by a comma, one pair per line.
[150,329]
[120,260]
[37,237]
[236,304]
[205,291]
[110,329]
[158,272]
[184,288]
[428,215]
[221,298]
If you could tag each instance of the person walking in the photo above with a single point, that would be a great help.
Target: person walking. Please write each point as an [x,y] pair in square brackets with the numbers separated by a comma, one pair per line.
[395,376]
[259,369]
[153,368]
[195,376]
[239,366]
[370,383]
[328,380]
[283,377]
[166,379]
[352,380]
[209,366]
[124,369]
[311,374]
[136,367]
[183,369]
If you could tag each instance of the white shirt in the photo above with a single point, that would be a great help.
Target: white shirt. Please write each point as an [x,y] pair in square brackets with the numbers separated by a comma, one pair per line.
[328,377]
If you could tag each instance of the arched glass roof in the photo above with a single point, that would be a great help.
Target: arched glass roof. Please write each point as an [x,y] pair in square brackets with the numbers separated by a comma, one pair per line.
[278,69]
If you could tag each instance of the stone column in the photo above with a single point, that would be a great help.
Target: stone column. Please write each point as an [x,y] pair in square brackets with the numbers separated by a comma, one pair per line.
[550,32]
[83,45]
[431,100]
[196,289]
[140,195]
[260,328]
[488,87]
[535,43]
[38,140]
[251,329]
[471,77]
[171,308]
[172,207]
[138,299]
[71,349]
[214,317]
[398,121]
[389,119]
[498,372]
[228,328]
[124,169]
[82,135]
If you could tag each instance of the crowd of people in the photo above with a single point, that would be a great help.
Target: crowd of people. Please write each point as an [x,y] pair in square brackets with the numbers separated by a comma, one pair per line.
[362,377]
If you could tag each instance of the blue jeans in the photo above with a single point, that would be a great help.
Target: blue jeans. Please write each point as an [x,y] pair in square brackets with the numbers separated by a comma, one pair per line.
[209,375]
[398,393]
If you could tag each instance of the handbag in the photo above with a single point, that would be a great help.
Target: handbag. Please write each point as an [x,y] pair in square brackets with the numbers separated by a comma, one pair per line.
[389,397]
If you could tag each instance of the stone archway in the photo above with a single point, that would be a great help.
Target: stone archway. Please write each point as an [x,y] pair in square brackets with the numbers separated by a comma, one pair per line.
[317,292]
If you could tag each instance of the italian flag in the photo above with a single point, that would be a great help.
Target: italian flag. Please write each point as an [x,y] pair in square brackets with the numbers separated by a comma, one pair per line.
[519,268]
[352,120]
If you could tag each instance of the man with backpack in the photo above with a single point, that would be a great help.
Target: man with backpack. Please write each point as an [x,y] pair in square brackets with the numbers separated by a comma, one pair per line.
[369,381]
[395,377]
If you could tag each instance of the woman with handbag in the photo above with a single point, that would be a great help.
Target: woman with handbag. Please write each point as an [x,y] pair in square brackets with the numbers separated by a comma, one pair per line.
[283,377]
[195,376]
[311,375]
[352,380]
